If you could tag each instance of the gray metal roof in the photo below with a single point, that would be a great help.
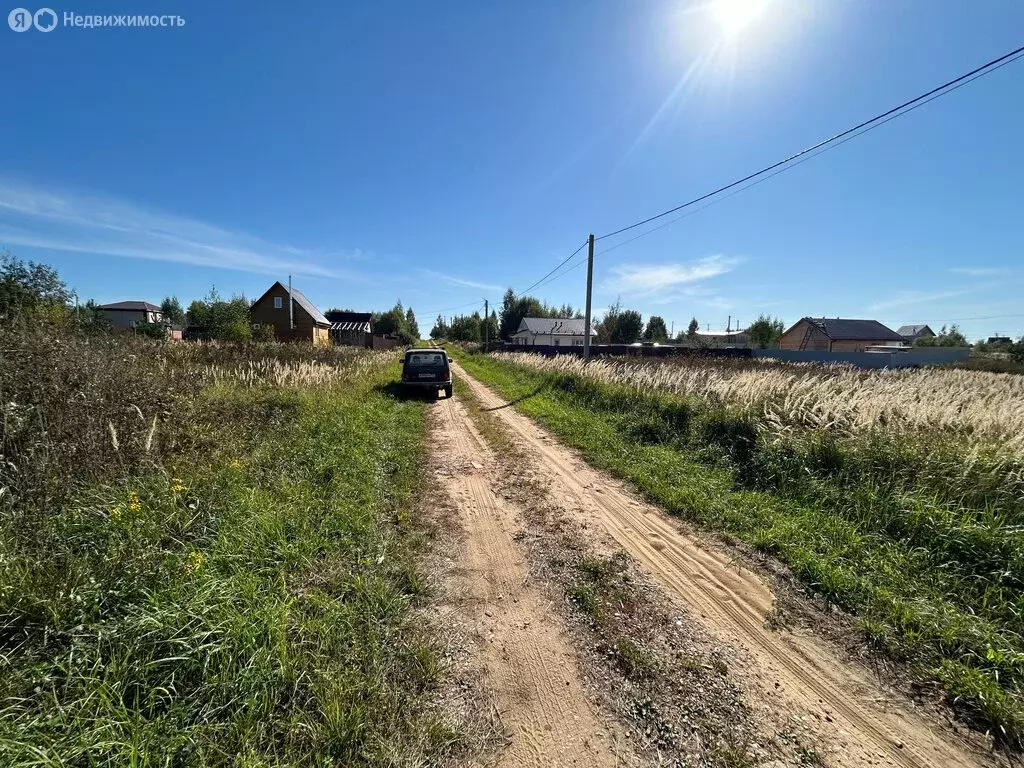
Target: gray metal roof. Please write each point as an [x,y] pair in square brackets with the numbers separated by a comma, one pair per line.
[841,329]
[554,326]
[131,306]
[306,304]
[912,330]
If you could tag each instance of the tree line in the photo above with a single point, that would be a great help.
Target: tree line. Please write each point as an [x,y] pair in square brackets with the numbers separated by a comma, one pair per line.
[33,291]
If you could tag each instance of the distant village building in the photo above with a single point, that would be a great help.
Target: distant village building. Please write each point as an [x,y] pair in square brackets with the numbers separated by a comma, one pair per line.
[828,334]
[551,331]
[125,315]
[723,338]
[999,340]
[307,323]
[912,333]
[351,329]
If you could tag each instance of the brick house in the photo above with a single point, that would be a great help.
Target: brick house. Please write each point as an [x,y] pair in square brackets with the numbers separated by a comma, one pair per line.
[836,334]
[308,322]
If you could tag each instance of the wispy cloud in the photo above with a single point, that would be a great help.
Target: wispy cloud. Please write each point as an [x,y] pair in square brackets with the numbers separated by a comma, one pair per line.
[981,271]
[907,298]
[464,282]
[109,226]
[650,279]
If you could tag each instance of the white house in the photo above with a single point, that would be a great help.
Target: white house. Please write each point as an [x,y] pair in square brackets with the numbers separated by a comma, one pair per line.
[553,331]
[726,338]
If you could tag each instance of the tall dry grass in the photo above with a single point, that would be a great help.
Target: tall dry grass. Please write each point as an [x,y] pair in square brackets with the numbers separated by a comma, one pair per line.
[985,410]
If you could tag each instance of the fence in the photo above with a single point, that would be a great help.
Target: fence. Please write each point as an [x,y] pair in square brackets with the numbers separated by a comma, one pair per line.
[627,350]
[913,358]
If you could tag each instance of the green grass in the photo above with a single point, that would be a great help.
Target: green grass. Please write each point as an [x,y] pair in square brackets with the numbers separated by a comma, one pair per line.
[935,575]
[247,601]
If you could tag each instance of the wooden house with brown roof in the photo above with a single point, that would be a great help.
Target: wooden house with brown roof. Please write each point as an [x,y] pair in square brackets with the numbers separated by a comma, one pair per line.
[292,315]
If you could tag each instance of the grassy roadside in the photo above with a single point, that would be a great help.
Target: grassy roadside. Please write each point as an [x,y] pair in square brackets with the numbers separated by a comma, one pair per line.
[926,600]
[243,596]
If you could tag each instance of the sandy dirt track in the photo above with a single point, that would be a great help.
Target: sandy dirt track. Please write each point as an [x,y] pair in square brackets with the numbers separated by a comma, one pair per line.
[860,723]
[529,664]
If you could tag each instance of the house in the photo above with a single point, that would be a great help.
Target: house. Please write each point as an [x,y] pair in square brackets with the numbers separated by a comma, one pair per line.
[296,319]
[836,334]
[552,331]
[912,333]
[999,340]
[725,338]
[351,329]
[125,315]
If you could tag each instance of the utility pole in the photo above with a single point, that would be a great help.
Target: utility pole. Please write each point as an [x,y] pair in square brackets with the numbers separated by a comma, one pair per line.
[291,311]
[487,326]
[590,285]
[728,325]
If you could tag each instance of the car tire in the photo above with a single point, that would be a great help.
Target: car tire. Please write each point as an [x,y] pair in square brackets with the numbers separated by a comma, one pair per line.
[448,391]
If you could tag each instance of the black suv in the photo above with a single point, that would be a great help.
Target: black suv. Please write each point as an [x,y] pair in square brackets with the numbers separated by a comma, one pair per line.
[427,369]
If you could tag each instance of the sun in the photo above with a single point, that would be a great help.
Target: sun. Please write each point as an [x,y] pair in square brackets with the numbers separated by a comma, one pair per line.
[734,15]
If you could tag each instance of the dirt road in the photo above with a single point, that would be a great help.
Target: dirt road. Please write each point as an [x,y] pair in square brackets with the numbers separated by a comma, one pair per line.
[529,665]
[860,724]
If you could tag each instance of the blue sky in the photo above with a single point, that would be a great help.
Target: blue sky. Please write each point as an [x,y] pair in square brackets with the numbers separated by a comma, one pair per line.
[440,152]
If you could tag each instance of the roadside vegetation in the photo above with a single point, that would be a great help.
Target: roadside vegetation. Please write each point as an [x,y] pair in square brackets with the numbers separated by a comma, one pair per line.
[896,495]
[207,557]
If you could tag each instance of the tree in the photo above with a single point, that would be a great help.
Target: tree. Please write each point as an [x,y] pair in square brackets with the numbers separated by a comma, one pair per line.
[440,329]
[1017,350]
[492,328]
[172,311]
[692,328]
[411,326]
[656,329]
[26,286]
[465,328]
[765,332]
[620,326]
[946,338]
[222,319]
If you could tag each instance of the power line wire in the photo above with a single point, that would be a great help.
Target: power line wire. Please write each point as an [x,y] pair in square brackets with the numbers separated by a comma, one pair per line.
[582,246]
[858,129]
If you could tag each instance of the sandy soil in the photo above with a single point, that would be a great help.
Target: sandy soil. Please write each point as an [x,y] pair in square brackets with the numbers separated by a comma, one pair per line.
[529,665]
[859,722]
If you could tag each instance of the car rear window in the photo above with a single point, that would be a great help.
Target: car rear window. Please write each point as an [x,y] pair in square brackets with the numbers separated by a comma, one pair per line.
[425,360]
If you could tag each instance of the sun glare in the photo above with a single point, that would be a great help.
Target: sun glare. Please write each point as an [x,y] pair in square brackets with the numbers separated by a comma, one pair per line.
[734,15]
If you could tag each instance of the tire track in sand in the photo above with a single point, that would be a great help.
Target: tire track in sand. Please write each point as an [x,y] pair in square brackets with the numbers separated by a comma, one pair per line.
[841,701]
[528,663]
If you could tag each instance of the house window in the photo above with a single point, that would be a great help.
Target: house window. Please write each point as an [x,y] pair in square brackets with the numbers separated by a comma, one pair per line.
[558,342]
[277,302]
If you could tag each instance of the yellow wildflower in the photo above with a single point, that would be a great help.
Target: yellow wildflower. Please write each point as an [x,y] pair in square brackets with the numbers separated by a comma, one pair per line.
[195,561]
[236,464]
[177,486]
[133,502]
[115,512]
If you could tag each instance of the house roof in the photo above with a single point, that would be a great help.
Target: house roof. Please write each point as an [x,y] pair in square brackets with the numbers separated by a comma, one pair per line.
[733,332]
[913,330]
[356,326]
[131,306]
[341,316]
[554,326]
[301,300]
[842,329]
